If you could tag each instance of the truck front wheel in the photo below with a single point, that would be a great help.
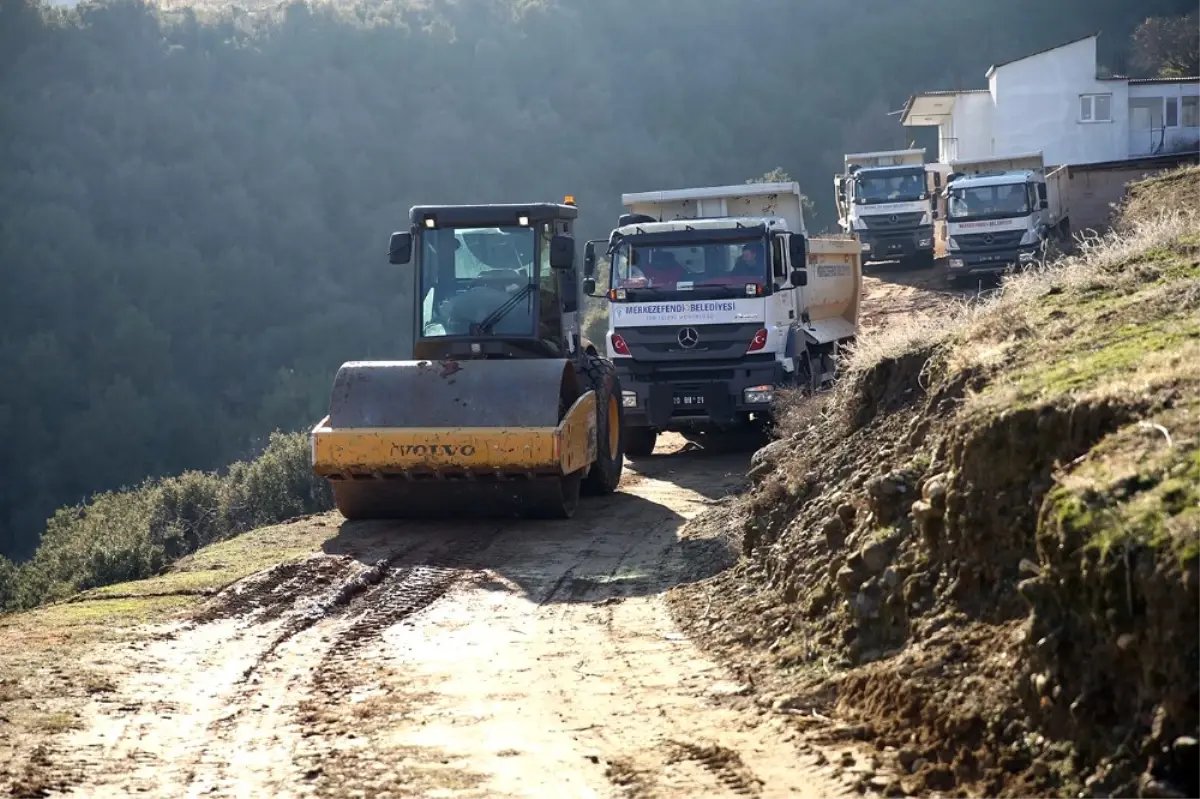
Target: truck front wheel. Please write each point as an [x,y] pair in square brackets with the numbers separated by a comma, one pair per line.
[639,441]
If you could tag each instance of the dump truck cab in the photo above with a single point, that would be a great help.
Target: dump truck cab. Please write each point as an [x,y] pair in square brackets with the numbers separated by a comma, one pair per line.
[1002,213]
[717,297]
[890,201]
[500,410]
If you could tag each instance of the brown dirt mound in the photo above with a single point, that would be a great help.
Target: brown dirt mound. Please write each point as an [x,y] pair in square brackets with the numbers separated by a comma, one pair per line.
[983,551]
[1174,189]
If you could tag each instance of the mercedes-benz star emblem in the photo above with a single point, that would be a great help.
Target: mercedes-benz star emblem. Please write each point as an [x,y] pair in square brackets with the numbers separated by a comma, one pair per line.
[988,238]
[688,337]
[893,219]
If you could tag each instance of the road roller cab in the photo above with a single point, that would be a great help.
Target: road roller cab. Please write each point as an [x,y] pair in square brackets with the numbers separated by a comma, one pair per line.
[502,409]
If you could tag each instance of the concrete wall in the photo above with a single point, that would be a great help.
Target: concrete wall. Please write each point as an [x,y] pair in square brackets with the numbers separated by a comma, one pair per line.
[970,126]
[1037,108]
[1093,192]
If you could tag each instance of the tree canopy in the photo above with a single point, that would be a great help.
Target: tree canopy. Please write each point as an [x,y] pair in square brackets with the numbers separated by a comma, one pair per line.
[195,202]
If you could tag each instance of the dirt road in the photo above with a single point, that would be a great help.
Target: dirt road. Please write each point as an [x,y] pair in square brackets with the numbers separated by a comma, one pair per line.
[504,659]
[468,660]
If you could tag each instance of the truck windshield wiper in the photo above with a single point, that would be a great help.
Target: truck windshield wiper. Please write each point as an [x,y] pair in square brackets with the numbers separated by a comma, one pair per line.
[488,322]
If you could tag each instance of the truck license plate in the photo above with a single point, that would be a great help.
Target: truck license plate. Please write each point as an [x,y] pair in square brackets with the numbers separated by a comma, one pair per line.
[689,400]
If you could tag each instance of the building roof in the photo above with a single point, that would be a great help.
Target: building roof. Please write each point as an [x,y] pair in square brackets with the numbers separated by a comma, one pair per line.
[995,67]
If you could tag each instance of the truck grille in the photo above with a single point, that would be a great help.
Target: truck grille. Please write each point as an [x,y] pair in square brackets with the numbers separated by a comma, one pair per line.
[877,221]
[1003,238]
[654,343]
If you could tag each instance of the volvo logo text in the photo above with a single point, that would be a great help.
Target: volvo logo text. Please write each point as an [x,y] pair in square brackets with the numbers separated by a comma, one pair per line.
[688,337]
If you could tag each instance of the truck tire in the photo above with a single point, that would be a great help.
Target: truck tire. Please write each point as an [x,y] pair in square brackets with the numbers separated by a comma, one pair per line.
[605,474]
[639,441]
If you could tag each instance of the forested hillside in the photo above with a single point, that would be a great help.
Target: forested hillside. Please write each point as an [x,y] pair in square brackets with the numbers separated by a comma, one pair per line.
[194,204]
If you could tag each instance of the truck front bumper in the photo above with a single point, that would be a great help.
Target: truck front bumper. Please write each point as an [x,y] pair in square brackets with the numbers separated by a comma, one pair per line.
[715,397]
[970,262]
[895,244]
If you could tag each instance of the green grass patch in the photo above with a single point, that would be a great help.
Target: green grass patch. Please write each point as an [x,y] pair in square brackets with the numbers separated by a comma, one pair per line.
[1105,356]
[1138,487]
[226,562]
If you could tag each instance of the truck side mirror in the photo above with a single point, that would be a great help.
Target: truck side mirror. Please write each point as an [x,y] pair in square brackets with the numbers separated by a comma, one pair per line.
[1043,204]
[562,252]
[800,277]
[400,248]
[935,214]
[589,260]
[589,286]
[798,250]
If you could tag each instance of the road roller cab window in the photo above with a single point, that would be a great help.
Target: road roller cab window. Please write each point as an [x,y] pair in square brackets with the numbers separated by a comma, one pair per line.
[478,281]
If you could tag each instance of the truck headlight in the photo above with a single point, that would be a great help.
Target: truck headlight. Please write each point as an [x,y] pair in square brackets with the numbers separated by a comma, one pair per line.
[758,395]
[956,263]
[628,399]
[925,242]
[866,247]
[1025,258]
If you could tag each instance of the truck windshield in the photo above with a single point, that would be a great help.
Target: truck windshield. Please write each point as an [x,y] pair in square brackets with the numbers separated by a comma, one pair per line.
[720,269]
[476,281]
[988,202]
[871,189]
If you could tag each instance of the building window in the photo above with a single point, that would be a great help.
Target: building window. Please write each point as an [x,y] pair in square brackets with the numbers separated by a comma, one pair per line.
[1191,112]
[1172,112]
[1095,108]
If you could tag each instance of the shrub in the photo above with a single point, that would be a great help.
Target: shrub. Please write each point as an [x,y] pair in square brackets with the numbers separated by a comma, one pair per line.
[138,532]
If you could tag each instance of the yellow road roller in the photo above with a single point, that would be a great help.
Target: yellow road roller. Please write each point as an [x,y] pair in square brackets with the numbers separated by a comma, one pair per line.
[505,409]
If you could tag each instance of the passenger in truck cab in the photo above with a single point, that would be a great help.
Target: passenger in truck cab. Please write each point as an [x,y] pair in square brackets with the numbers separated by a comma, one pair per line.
[750,264]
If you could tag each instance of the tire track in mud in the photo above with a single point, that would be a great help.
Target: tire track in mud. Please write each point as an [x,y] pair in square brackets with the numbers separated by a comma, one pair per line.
[724,764]
[324,674]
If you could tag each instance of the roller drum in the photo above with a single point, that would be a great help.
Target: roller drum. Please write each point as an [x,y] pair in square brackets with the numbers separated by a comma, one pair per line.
[451,401]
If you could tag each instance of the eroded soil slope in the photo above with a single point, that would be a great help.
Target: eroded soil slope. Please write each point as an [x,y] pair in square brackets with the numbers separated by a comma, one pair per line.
[981,552]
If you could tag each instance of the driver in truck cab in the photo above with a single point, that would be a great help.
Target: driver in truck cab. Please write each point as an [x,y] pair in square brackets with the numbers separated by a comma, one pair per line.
[663,269]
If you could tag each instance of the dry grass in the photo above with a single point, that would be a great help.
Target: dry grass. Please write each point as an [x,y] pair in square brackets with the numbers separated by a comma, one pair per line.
[1152,248]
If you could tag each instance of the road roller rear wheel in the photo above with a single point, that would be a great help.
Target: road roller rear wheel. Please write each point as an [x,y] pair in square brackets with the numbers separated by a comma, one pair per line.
[605,473]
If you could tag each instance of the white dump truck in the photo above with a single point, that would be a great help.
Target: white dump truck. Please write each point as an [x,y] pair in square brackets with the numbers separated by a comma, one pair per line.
[717,298]
[889,200]
[1002,212]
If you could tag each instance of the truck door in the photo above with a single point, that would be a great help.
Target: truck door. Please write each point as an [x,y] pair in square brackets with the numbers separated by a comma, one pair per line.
[795,300]
[781,310]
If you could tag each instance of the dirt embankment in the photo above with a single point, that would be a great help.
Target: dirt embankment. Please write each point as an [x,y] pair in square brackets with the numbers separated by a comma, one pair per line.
[980,553]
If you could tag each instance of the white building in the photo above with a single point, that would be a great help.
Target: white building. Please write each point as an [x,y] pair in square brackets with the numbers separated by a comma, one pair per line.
[1053,101]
